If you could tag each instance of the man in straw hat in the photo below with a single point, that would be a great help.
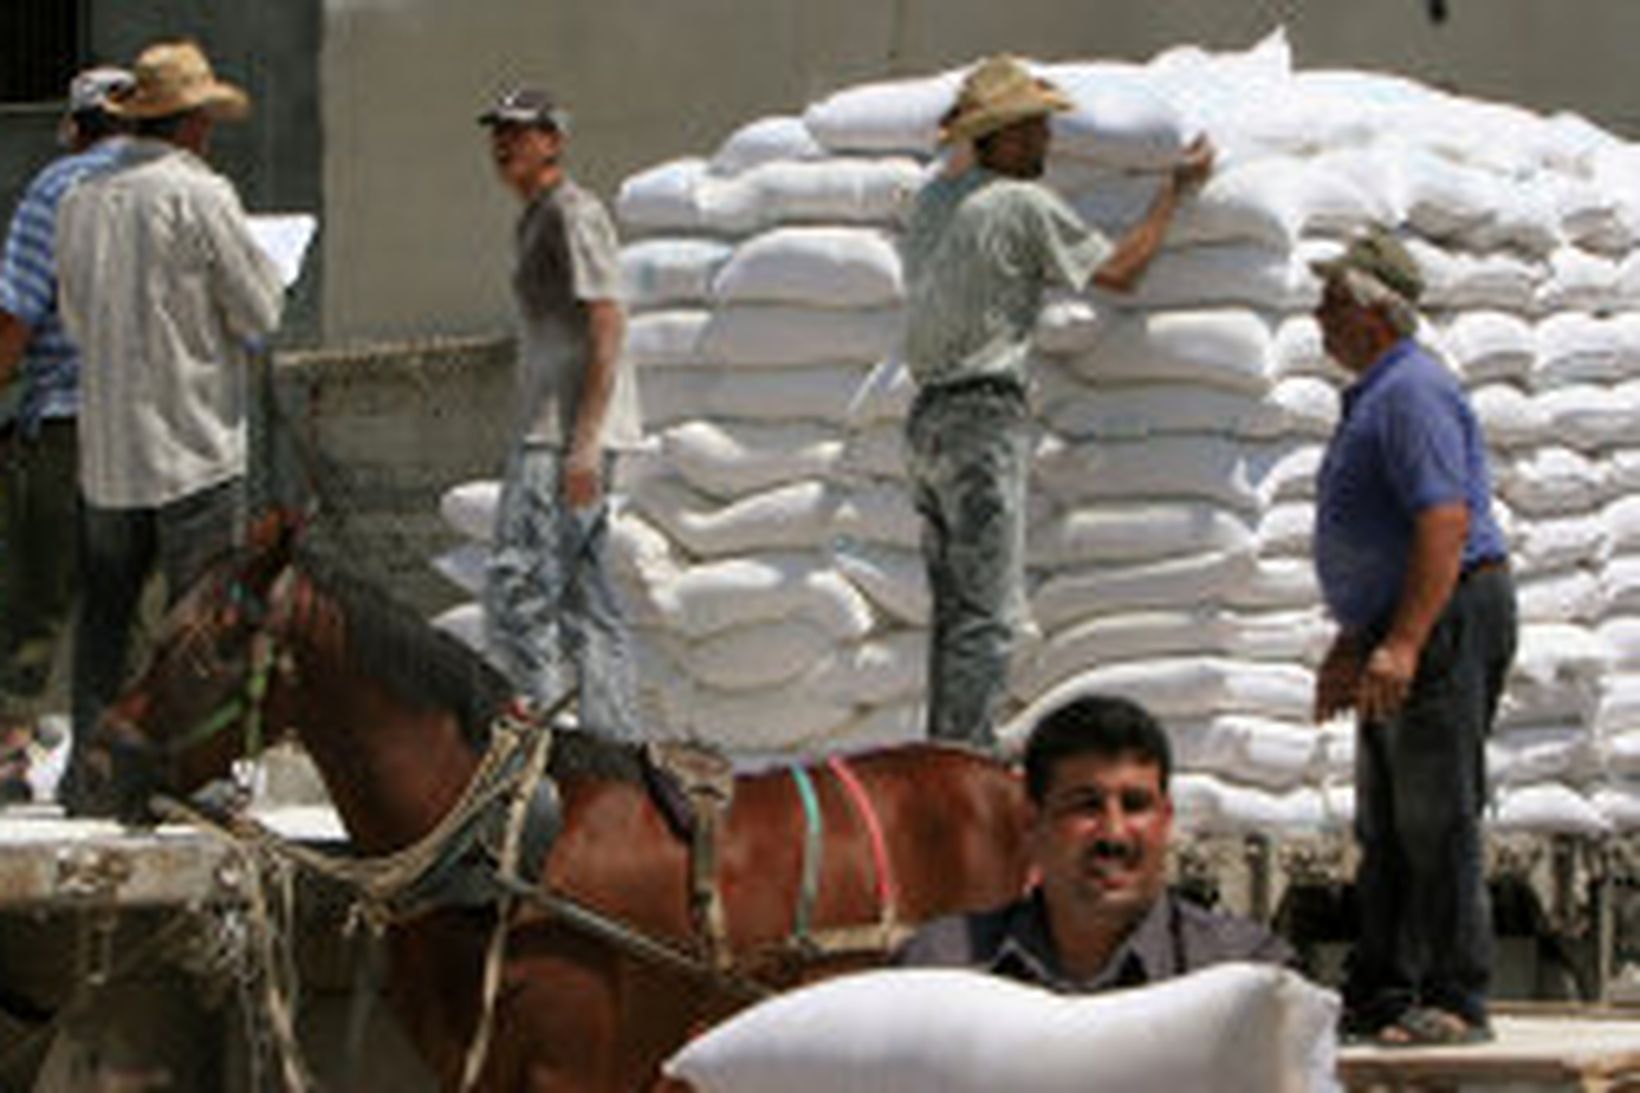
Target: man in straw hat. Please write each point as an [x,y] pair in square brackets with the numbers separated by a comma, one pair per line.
[549,595]
[38,519]
[1413,568]
[162,288]
[981,246]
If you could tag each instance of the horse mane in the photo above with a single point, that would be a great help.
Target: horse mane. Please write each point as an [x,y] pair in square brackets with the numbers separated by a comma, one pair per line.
[421,664]
[390,642]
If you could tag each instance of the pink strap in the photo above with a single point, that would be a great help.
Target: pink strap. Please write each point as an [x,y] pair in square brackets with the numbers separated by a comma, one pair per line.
[886,894]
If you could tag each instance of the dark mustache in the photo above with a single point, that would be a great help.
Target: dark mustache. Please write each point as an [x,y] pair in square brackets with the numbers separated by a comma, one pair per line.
[1125,853]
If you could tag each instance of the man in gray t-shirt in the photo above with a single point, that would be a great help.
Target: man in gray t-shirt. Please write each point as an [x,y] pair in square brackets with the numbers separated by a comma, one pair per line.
[980,248]
[548,594]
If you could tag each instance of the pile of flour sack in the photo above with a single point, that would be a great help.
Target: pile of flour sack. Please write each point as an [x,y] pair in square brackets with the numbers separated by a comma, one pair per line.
[766,541]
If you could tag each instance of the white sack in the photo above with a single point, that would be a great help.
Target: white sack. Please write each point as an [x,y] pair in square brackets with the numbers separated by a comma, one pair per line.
[729,459]
[1492,345]
[1552,481]
[1268,753]
[1588,416]
[670,271]
[1217,347]
[1286,471]
[764,141]
[1509,417]
[465,566]
[707,598]
[880,671]
[893,578]
[1075,594]
[1620,636]
[1309,406]
[1068,324]
[1578,279]
[830,267]
[876,450]
[773,719]
[785,335]
[885,394]
[1573,347]
[1118,117]
[1273,203]
[815,393]
[1617,707]
[1235,1028]
[1288,635]
[884,116]
[1110,639]
[1286,530]
[760,654]
[1276,584]
[1181,467]
[819,191]
[1529,756]
[1546,809]
[663,198]
[1496,281]
[1135,532]
[1618,804]
[1564,596]
[1083,412]
[470,508]
[1559,542]
[1223,274]
[670,338]
[1296,350]
[1620,585]
[794,515]
[881,512]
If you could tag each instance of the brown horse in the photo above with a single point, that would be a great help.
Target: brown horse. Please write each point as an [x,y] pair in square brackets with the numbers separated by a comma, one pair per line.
[394,715]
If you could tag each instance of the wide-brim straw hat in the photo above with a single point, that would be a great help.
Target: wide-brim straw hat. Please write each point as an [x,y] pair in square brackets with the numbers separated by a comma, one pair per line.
[173,78]
[997,93]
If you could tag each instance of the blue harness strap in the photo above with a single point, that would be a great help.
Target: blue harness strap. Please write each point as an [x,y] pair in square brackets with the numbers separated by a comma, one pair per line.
[808,891]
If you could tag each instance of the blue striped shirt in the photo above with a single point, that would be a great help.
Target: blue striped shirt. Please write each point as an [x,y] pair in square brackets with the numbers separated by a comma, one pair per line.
[28,286]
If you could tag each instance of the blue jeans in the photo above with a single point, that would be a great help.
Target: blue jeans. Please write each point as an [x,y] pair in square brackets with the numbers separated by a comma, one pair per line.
[119,550]
[549,597]
[1425,932]
[969,452]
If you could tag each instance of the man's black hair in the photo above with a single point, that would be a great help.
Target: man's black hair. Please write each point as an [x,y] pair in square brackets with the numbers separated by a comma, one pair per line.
[94,125]
[161,128]
[1104,725]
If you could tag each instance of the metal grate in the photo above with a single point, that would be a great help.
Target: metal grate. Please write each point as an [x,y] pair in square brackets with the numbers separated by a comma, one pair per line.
[39,49]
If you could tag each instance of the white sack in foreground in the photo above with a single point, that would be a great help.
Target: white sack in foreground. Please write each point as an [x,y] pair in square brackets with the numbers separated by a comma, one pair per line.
[1232,1028]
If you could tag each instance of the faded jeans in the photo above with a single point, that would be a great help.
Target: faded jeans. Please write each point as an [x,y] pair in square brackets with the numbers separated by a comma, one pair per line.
[968,452]
[1425,933]
[549,597]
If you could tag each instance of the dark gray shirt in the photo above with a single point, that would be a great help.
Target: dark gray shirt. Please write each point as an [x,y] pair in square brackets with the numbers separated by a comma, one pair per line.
[1175,937]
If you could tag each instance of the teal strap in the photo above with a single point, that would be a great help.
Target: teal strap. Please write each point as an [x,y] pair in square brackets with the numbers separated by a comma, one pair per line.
[809,891]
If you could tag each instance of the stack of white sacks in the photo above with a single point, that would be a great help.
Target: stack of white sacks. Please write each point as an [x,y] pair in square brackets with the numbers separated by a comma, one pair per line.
[768,546]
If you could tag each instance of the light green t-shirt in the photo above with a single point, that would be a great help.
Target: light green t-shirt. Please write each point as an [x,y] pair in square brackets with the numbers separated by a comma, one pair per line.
[979,250]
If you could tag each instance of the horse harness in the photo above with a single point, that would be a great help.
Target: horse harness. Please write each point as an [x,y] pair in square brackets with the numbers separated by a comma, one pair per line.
[460,862]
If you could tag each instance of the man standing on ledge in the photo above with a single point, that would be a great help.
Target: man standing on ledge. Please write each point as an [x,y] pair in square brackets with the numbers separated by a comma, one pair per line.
[549,595]
[1102,917]
[162,288]
[980,248]
[1413,569]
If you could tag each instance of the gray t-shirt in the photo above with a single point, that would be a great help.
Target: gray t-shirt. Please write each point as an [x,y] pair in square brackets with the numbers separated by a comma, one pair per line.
[979,249]
[568,255]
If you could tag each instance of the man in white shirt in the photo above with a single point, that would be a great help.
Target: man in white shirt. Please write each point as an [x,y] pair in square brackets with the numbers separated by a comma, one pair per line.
[162,287]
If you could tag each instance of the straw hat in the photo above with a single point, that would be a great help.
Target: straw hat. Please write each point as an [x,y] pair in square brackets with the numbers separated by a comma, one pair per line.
[174,77]
[996,93]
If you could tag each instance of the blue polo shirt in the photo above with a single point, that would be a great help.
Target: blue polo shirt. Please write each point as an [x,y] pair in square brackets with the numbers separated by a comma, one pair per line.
[1407,441]
[28,285]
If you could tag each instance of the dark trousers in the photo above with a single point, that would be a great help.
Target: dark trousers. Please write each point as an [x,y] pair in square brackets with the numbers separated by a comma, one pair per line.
[38,522]
[119,550]
[1425,933]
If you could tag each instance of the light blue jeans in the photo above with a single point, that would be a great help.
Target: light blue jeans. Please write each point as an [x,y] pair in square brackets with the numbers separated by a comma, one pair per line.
[549,597]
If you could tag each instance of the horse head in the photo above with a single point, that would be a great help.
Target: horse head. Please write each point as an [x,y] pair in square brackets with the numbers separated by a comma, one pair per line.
[204,697]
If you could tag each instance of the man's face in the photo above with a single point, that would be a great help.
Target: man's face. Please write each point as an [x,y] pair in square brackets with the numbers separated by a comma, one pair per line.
[520,152]
[1020,150]
[1100,836]
[1347,328]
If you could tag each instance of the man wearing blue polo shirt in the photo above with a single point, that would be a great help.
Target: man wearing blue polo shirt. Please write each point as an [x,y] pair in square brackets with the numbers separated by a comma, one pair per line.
[1413,569]
[38,521]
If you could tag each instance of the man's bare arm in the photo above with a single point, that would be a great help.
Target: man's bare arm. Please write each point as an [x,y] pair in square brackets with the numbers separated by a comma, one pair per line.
[1438,536]
[606,330]
[1136,249]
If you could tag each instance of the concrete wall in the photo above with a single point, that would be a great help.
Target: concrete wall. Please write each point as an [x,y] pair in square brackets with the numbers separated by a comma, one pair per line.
[417,231]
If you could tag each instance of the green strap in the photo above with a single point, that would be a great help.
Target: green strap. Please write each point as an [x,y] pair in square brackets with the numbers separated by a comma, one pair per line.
[247,705]
[809,891]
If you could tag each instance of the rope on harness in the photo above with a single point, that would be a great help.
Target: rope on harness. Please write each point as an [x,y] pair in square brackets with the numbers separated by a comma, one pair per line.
[887,894]
[813,847]
[496,951]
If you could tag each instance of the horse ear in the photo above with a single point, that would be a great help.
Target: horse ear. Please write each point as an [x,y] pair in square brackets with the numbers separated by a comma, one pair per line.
[273,535]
